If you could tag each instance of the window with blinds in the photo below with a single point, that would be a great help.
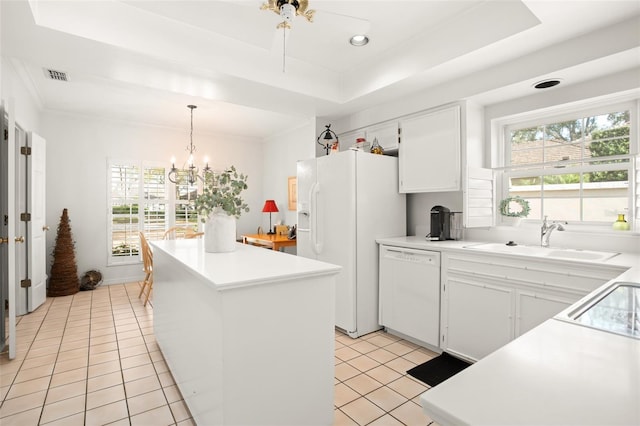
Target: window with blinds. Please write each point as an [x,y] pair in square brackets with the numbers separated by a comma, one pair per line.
[140,200]
[579,168]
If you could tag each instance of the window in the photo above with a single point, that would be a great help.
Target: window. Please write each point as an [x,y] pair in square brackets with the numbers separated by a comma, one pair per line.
[578,167]
[140,200]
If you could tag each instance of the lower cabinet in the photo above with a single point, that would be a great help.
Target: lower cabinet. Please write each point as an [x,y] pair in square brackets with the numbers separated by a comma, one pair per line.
[489,300]
[478,319]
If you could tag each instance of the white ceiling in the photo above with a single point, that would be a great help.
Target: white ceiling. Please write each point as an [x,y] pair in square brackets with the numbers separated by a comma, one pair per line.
[144,60]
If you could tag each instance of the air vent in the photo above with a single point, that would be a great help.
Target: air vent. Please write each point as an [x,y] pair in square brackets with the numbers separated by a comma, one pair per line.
[56,75]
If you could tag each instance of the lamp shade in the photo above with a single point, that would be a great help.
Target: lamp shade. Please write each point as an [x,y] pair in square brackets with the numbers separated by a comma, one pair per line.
[270,207]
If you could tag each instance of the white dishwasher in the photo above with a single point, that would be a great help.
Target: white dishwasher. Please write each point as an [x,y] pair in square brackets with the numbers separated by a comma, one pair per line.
[410,293]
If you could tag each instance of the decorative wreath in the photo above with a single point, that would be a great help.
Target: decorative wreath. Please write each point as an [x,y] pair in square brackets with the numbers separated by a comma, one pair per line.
[90,280]
[505,207]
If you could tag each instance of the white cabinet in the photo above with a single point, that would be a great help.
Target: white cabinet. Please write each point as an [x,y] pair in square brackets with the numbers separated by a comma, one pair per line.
[348,139]
[410,293]
[479,317]
[387,135]
[429,152]
[490,299]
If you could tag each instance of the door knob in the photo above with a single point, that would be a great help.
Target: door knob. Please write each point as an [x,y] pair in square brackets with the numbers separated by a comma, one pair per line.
[20,239]
[45,228]
[4,240]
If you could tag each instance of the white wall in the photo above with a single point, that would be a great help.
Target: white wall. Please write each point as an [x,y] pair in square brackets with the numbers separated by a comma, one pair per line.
[281,153]
[77,153]
[26,105]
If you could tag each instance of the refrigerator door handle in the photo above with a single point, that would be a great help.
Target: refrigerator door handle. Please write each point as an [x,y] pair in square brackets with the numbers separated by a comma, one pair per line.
[313,218]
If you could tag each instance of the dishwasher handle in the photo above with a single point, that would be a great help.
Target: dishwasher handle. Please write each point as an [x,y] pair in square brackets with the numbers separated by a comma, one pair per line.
[412,255]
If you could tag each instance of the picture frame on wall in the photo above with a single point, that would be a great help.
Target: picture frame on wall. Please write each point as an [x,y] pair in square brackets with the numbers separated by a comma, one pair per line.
[293,192]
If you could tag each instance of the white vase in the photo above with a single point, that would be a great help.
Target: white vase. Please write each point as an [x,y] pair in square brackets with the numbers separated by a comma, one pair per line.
[511,221]
[220,233]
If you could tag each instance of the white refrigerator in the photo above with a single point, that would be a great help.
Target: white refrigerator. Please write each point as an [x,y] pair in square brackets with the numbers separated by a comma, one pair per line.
[345,201]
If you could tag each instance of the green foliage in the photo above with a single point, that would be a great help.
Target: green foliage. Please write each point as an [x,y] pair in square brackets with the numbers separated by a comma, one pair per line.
[608,143]
[126,209]
[520,207]
[221,191]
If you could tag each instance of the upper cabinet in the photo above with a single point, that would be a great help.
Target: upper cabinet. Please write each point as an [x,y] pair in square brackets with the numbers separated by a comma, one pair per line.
[429,153]
[348,139]
[387,135]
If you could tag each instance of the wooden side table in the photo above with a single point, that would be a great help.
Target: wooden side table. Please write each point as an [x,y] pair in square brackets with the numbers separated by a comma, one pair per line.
[276,242]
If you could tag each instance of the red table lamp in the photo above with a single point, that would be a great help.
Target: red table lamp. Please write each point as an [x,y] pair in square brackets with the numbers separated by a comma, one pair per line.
[270,207]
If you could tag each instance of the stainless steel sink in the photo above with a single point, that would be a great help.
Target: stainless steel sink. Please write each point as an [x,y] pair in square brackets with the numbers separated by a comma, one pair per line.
[614,308]
[537,251]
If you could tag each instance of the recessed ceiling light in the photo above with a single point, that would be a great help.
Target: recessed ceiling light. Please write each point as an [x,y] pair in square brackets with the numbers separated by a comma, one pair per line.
[359,40]
[545,84]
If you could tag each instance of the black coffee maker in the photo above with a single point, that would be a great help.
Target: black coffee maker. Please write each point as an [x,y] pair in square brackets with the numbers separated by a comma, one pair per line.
[440,224]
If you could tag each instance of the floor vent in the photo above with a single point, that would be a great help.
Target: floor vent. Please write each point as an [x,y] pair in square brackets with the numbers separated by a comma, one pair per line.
[56,75]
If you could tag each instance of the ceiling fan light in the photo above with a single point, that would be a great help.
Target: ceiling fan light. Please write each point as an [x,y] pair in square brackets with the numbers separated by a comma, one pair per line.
[359,40]
[287,12]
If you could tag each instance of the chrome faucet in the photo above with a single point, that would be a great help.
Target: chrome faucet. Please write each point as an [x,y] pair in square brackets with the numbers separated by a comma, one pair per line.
[545,231]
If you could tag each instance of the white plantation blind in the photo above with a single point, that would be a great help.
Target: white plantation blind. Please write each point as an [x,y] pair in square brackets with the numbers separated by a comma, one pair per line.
[479,194]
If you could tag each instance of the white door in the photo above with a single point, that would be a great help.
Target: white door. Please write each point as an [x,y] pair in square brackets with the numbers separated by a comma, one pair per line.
[8,234]
[36,231]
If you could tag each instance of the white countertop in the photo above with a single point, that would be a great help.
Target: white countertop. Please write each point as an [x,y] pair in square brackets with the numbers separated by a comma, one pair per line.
[556,374]
[246,266]
[627,260]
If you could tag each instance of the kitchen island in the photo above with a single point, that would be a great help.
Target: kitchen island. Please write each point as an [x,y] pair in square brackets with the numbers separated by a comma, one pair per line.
[248,335]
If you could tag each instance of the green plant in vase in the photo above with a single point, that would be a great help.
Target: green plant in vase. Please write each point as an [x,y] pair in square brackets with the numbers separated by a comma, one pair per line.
[221,193]
[219,205]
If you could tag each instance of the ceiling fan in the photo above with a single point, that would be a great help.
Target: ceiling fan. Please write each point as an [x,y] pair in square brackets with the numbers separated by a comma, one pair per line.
[287,9]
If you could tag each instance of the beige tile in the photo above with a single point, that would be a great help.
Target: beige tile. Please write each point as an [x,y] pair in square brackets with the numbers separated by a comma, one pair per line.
[346,353]
[74,420]
[161,367]
[104,381]
[140,372]
[188,422]
[420,356]
[345,340]
[133,350]
[68,354]
[135,361]
[30,386]
[345,371]
[172,393]
[35,362]
[133,341]
[131,326]
[63,408]
[400,348]
[76,344]
[98,340]
[363,363]
[104,368]
[27,374]
[22,403]
[148,384]
[105,396]
[400,365]
[386,420]
[146,401]
[166,379]
[105,331]
[341,419]
[386,398]
[107,414]
[180,411]
[362,411]
[381,340]
[69,390]
[71,364]
[101,357]
[384,374]
[364,346]
[103,347]
[343,394]
[158,416]
[382,355]
[407,387]
[410,413]
[363,384]
[29,417]
[4,390]
[69,377]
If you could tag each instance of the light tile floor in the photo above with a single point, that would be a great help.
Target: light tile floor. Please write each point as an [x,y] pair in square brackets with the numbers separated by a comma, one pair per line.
[92,359]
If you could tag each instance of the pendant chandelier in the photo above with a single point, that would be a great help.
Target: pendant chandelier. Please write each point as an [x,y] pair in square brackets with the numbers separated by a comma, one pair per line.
[190,172]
